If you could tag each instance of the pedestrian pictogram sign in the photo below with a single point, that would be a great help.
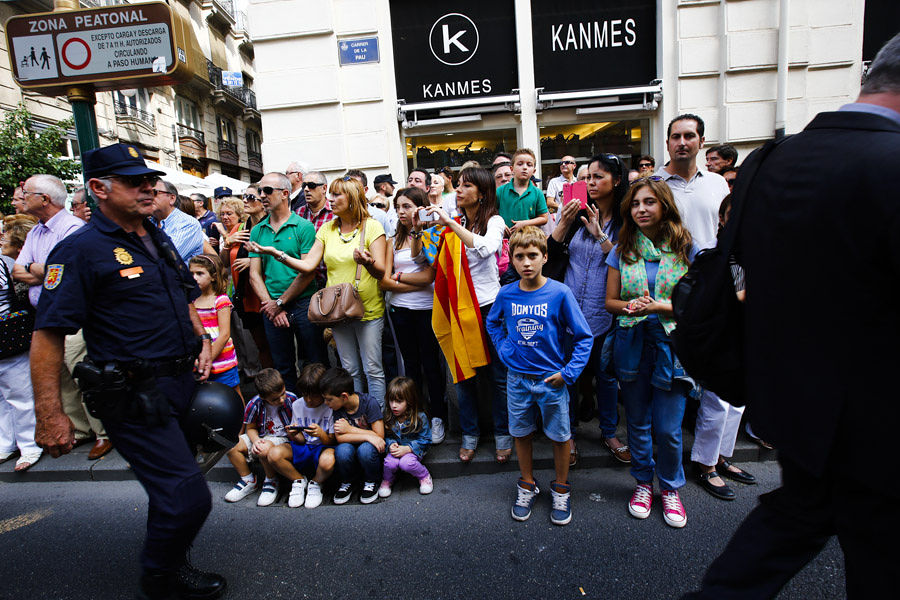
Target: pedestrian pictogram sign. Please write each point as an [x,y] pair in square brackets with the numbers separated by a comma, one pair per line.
[133,45]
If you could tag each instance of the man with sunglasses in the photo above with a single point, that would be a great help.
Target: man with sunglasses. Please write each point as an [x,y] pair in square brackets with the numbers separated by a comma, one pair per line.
[646,164]
[317,211]
[555,189]
[184,230]
[283,292]
[121,280]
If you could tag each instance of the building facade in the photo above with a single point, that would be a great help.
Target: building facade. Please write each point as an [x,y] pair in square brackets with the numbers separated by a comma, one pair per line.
[385,85]
[200,127]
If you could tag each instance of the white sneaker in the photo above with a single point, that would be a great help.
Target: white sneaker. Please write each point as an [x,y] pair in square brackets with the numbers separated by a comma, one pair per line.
[426,485]
[298,493]
[269,493]
[241,490]
[437,431]
[384,490]
[313,495]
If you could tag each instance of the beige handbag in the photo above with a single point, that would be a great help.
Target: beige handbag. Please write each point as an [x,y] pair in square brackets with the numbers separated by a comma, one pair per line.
[339,303]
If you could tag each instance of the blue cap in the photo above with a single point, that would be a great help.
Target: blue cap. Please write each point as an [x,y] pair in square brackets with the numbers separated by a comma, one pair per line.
[118,159]
[221,192]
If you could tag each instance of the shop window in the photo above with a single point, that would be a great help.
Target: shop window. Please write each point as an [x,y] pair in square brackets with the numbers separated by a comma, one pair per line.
[627,139]
[436,150]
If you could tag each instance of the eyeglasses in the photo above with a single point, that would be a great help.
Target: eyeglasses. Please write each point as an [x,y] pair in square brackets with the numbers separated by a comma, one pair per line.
[293,173]
[567,162]
[311,185]
[26,192]
[250,198]
[268,190]
[134,181]
[378,205]
[157,192]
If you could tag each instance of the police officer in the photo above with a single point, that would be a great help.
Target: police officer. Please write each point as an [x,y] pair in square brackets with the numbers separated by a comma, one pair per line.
[122,282]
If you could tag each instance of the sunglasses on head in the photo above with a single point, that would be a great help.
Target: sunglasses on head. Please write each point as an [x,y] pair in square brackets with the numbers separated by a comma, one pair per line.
[134,180]
[311,185]
[268,190]
[648,178]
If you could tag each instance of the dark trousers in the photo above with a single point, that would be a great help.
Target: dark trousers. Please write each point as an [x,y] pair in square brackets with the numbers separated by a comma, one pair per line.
[165,466]
[792,524]
[421,355]
[281,342]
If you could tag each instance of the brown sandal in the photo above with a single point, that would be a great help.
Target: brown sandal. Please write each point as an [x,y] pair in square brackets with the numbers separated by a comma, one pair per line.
[502,456]
[573,454]
[466,455]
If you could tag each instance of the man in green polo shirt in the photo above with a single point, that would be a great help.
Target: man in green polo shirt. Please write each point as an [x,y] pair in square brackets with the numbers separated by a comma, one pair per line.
[519,201]
[284,309]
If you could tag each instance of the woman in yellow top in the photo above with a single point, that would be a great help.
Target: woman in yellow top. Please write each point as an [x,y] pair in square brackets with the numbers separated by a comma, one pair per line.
[337,242]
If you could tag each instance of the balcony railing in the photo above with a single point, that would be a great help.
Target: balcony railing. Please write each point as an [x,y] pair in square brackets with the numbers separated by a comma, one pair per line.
[124,109]
[252,154]
[185,131]
[240,20]
[227,6]
[229,146]
[241,93]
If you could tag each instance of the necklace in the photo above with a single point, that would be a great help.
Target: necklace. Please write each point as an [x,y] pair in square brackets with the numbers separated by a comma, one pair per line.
[347,238]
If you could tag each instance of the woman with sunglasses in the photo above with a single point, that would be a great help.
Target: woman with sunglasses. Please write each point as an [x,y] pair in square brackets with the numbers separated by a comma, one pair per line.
[654,251]
[234,255]
[337,243]
[589,236]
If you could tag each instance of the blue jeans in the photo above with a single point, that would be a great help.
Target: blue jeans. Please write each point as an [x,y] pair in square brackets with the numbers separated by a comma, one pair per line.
[350,459]
[467,396]
[281,342]
[606,388]
[650,410]
[528,396]
[359,346]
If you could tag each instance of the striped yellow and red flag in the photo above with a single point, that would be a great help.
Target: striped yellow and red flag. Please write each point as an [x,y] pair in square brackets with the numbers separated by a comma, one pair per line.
[456,317]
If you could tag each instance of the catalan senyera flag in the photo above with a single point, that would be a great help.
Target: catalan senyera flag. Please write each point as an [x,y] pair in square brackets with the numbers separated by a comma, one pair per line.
[456,317]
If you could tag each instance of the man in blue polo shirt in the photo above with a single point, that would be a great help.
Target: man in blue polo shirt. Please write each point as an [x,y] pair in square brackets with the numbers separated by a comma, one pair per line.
[285,309]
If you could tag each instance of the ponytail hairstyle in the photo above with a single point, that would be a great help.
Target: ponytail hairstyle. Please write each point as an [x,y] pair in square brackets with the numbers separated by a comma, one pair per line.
[213,266]
[403,389]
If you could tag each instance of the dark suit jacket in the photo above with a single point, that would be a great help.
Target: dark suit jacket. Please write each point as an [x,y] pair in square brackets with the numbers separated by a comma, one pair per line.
[820,244]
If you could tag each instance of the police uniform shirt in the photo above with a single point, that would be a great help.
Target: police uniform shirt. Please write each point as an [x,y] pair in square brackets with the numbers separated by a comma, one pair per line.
[132,303]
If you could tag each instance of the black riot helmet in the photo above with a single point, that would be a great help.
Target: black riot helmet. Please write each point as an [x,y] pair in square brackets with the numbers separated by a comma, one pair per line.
[215,418]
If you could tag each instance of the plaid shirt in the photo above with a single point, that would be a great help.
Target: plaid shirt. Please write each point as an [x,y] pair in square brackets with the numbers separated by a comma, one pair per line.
[323,216]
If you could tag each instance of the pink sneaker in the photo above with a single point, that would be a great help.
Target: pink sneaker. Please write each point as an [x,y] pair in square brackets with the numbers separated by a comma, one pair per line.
[673,509]
[641,501]
[385,489]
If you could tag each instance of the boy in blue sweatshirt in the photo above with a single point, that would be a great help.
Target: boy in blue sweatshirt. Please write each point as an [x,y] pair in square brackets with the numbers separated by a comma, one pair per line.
[527,324]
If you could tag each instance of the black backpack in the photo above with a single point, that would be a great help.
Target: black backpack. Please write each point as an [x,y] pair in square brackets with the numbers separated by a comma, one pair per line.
[709,332]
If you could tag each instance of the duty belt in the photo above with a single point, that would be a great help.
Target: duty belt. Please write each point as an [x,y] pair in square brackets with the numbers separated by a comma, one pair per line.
[162,368]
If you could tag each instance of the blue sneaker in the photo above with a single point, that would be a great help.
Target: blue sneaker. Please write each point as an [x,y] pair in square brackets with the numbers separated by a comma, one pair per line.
[525,495]
[561,513]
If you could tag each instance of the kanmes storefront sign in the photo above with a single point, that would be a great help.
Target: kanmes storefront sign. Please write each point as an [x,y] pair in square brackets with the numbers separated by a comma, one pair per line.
[593,44]
[466,49]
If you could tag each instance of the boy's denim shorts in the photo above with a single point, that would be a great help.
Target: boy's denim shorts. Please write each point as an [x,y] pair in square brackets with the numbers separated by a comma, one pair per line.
[306,458]
[527,396]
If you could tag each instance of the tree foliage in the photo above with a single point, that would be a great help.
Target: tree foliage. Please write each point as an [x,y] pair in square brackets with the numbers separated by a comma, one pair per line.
[25,152]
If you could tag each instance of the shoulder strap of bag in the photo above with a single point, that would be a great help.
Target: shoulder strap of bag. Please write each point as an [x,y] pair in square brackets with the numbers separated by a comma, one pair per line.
[362,247]
[738,198]
[10,285]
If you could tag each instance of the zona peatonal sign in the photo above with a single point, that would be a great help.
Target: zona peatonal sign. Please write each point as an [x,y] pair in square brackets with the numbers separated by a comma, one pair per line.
[111,48]
[446,52]
[593,44]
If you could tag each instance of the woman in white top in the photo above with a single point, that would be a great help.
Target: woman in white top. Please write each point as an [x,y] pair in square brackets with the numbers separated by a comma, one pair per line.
[411,282]
[481,231]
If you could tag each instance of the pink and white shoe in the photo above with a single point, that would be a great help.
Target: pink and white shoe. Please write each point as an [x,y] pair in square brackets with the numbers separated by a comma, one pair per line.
[673,509]
[641,501]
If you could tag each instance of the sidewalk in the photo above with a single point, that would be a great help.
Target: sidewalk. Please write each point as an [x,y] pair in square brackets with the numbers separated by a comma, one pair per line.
[442,460]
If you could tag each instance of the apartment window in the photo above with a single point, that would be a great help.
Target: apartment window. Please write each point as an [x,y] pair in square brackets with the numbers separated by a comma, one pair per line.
[187,113]
[227,130]
[253,142]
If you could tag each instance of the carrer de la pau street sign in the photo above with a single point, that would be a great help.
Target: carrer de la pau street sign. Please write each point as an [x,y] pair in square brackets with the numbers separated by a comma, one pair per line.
[133,45]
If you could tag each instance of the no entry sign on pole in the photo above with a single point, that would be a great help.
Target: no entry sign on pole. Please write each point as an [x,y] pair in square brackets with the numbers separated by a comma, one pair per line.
[135,45]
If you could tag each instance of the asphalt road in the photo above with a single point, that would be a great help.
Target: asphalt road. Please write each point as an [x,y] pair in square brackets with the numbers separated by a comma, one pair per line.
[80,540]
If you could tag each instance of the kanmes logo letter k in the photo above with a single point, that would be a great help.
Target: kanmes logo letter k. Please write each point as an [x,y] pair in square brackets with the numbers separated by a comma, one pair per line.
[452,40]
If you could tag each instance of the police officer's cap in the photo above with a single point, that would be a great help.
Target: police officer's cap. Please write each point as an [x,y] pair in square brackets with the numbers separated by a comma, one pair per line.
[385,178]
[118,159]
[221,192]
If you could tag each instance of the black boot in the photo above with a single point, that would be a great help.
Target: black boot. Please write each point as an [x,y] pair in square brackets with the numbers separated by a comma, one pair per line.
[193,584]
[156,586]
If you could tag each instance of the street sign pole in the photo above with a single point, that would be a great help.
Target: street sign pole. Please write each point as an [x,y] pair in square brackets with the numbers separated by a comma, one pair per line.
[82,100]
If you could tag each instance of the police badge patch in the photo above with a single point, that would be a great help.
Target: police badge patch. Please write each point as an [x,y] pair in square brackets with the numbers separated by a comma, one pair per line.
[123,256]
[53,277]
